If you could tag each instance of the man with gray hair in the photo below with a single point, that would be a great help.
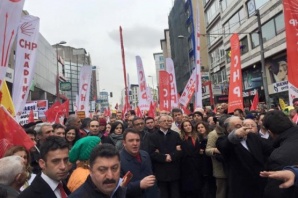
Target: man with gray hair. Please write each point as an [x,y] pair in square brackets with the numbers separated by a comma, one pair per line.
[13,176]
[245,154]
[43,130]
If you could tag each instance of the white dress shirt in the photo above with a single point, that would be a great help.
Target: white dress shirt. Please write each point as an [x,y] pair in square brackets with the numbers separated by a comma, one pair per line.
[53,184]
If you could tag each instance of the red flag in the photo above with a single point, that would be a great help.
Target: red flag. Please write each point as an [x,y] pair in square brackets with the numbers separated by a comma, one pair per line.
[255,102]
[185,110]
[52,112]
[31,116]
[291,17]
[151,112]
[235,86]
[64,108]
[109,111]
[11,133]
[138,112]
[164,91]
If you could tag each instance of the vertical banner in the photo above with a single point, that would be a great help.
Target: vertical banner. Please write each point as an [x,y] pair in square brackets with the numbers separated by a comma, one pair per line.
[10,16]
[171,71]
[291,23]
[198,92]
[26,51]
[164,91]
[143,97]
[84,89]
[149,95]
[235,85]
[189,90]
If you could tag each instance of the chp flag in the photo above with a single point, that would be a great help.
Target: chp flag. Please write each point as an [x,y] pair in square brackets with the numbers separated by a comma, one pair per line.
[10,16]
[291,26]
[84,89]
[235,86]
[144,103]
[26,51]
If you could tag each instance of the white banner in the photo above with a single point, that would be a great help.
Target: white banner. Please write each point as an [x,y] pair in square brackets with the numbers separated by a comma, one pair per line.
[171,70]
[144,104]
[198,92]
[10,16]
[149,95]
[26,51]
[84,89]
[188,90]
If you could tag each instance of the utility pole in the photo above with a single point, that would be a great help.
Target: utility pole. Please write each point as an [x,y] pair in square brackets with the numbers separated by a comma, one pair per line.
[264,75]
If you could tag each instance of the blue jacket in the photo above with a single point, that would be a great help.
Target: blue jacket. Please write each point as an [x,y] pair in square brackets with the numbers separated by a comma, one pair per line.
[294,169]
[139,171]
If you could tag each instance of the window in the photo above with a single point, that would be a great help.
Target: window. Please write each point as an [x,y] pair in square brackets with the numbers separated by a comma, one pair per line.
[162,66]
[225,4]
[243,45]
[251,7]
[216,56]
[212,11]
[214,33]
[255,39]
[279,23]
[234,22]
[260,3]
[269,30]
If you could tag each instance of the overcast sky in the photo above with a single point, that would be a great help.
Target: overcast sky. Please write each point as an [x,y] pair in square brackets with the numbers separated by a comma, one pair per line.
[94,25]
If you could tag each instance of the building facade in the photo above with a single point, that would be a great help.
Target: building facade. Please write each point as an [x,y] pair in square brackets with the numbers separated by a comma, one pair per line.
[225,17]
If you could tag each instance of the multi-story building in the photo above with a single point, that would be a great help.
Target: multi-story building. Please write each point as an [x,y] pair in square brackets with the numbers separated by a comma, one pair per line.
[182,26]
[103,100]
[74,59]
[159,64]
[225,17]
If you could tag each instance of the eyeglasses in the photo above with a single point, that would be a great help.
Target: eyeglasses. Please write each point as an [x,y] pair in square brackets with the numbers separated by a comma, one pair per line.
[250,125]
[139,124]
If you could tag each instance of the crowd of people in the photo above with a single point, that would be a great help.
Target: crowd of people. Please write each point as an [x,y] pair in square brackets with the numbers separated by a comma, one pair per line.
[205,154]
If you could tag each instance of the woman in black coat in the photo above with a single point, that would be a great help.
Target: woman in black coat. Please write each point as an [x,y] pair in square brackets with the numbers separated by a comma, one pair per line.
[191,172]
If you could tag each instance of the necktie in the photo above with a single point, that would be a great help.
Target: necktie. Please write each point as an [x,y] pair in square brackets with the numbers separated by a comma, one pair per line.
[62,192]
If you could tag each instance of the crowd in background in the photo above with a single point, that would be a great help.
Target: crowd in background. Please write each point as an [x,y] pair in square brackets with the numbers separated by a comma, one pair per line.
[205,154]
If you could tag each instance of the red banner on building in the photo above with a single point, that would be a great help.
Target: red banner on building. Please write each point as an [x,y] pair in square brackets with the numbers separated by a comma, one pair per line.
[291,21]
[164,91]
[235,85]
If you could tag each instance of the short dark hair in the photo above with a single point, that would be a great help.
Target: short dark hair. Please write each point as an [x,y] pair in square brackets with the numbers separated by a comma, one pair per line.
[277,122]
[130,130]
[132,112]
[239,110]
[176,110]
[103,150]
[30,131]
[86,122]
[58,126]
[148,118]
[52,143]
[136,118]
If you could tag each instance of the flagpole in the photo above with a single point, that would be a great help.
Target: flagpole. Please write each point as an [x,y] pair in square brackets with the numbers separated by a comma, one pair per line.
[124,68]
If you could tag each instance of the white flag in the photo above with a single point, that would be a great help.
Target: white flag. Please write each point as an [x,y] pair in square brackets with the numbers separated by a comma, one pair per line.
[171,70]
[144,105]
[84,89]
[26,49]
[10,16]
[189,90]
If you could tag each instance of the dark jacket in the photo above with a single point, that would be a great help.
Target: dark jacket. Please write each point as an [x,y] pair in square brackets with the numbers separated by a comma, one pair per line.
[88,189]
[191,163]
[39,188]
[244,166]
[139,171]
[284,154]
[165,144]
[145,141]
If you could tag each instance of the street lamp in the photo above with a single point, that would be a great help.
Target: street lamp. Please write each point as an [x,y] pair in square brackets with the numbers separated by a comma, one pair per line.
[57,80]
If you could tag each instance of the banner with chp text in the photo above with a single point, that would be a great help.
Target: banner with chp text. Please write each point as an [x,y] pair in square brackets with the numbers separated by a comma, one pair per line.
[291,25]
[198,92]
[26,50]
[235,84]
[164,91]
[10,16]
[171,71]
[144,104]
[84,89]
[189,90]
[149,95]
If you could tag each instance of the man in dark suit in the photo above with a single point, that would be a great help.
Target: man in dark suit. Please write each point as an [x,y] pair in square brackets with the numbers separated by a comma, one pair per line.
[244,153]
[166,154]
[54,164]
[138,162]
